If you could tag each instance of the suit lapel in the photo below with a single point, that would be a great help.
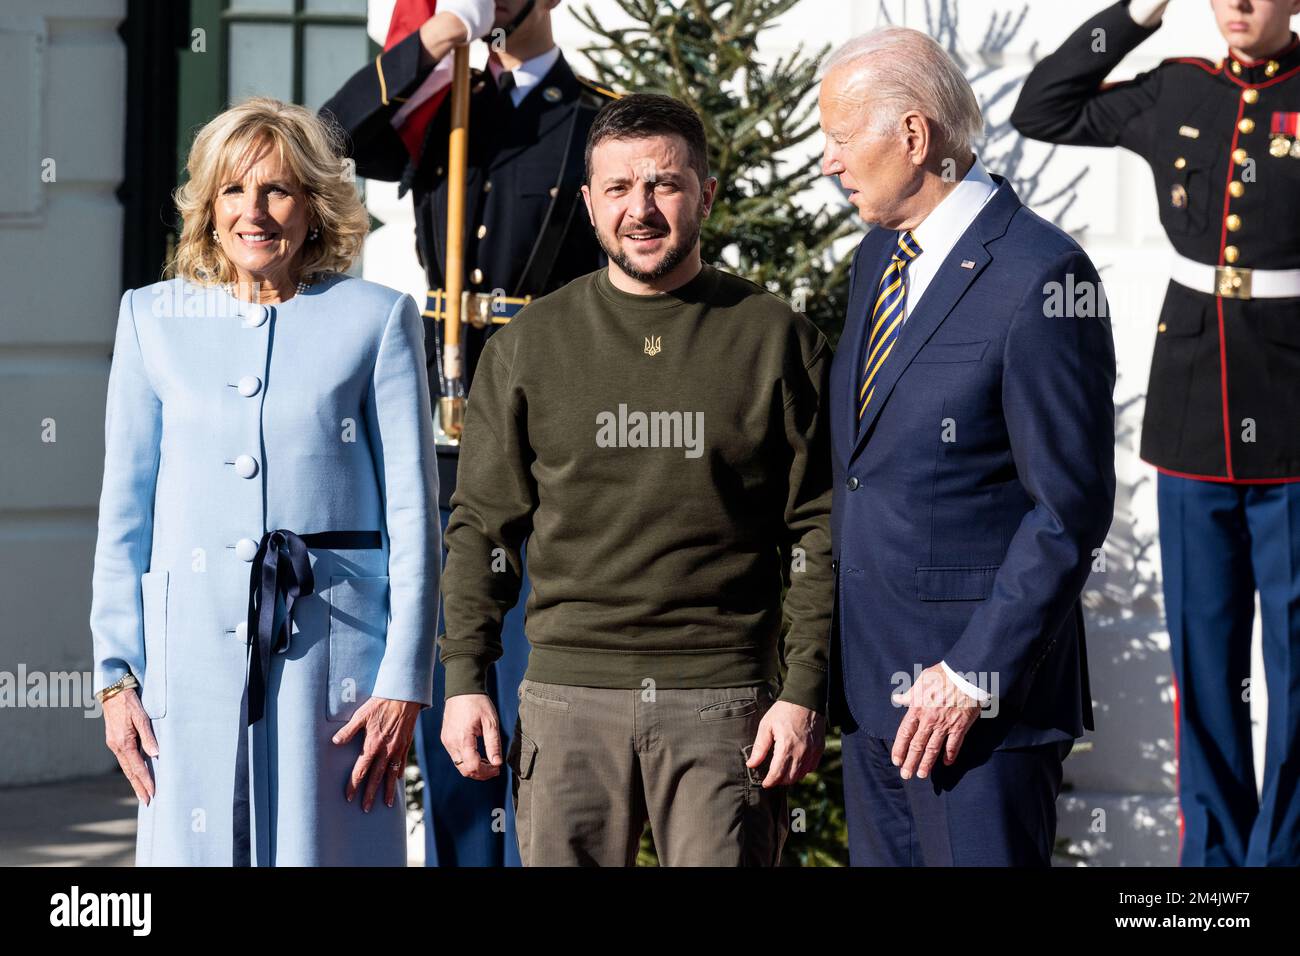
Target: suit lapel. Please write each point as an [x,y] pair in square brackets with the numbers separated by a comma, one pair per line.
[947,287]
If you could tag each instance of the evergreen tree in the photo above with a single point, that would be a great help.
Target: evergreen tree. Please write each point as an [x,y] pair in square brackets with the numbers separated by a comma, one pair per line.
[758,121]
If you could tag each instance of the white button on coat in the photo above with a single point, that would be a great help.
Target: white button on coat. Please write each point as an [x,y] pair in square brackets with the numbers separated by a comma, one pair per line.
[249,386]
[246,466]
[256,315]
[241,631]
[245,549]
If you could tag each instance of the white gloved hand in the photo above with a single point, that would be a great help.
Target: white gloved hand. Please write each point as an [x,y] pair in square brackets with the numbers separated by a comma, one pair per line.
[477,15]
[1147,13]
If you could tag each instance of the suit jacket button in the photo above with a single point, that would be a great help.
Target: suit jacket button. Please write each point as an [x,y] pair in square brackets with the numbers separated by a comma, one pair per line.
[852,484]
[245,549]
[246,466]
[249,386]
[256,315]
[241,632]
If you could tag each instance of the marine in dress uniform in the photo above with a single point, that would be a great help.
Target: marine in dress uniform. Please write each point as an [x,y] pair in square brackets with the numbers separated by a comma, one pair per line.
[1223,402]
[526,234]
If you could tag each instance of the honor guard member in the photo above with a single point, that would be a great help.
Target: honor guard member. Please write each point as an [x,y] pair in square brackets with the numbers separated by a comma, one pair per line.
[1223,403]
[526,234]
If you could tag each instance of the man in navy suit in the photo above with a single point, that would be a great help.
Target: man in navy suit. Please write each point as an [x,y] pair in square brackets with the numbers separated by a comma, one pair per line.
[973,446]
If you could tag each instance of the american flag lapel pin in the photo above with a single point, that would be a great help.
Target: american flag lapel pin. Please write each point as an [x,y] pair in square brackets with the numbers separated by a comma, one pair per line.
[968,263]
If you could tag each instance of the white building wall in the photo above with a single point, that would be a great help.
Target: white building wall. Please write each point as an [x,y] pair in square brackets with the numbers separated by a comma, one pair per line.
[63,72]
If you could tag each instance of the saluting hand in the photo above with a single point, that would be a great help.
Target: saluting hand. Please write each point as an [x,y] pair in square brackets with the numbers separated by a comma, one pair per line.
[1147,13]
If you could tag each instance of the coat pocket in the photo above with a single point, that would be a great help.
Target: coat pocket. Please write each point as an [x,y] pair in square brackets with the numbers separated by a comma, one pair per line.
[955,584]
[358,631]
[951,352]
[153,691]
[1182,171]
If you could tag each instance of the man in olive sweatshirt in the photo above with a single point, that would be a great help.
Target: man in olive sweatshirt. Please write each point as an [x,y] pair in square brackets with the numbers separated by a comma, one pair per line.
[664,453]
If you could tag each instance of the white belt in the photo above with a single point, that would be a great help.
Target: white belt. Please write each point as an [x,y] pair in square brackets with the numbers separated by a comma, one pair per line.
[1233,283]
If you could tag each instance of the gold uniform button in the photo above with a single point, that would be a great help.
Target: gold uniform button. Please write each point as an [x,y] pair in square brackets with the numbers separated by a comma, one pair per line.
[1247,125]
[1233,222]
[482,231]
[1162,327]
[1236,68]
[1271,68]
[1179,163]
[1239,156]
[554,191]
[1231,254]
[1236,189]
[487,186]
[476,276]
[1250,96]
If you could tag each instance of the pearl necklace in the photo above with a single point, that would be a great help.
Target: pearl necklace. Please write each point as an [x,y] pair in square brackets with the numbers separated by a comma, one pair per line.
[303,285]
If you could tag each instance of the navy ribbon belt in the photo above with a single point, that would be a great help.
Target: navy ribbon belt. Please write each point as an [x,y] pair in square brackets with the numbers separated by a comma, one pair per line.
[281,569]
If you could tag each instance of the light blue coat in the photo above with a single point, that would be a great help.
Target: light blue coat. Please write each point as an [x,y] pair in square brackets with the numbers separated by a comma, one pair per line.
[226,420]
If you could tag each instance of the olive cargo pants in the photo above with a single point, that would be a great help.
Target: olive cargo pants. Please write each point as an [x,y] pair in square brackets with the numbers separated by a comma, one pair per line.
[591,765]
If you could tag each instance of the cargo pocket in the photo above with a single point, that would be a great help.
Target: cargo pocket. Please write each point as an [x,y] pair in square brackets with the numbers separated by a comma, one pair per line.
[153,691]
[523,752]
[520,759]
[764,815]
[358,629]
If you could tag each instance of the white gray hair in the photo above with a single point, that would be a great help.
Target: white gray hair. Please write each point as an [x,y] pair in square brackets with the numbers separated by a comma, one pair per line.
[904,69]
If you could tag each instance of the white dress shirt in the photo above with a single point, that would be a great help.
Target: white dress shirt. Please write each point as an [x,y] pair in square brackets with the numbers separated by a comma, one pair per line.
[940,230]
[936,235]
[527,74]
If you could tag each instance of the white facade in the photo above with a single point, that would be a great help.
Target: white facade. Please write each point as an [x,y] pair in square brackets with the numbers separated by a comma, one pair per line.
[62,67]
[63,72]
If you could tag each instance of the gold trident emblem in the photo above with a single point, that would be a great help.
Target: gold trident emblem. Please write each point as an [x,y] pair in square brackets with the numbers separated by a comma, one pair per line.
[652,344]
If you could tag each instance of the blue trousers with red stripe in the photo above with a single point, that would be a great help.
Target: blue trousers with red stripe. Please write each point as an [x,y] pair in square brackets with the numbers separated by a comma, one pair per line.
[472,822]
[1220,544]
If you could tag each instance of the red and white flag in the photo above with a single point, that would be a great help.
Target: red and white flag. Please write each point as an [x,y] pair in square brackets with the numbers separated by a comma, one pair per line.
[413,117]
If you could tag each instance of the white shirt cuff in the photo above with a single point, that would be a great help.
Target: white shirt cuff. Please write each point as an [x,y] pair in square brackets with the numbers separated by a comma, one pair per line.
[966,687]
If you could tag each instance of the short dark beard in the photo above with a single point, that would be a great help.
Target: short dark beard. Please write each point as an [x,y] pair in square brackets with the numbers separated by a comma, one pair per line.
[674,257]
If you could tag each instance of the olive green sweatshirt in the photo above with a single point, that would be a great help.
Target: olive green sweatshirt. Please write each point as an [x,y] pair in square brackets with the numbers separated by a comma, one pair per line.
[666,459]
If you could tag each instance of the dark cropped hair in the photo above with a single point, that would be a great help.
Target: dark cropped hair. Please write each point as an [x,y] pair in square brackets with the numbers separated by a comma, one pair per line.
[641,115]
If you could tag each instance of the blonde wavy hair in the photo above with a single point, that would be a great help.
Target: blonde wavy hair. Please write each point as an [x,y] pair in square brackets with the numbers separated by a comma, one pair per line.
[312,148]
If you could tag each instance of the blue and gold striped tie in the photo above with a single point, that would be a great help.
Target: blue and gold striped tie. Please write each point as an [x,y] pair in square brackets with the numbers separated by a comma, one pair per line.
[887,316]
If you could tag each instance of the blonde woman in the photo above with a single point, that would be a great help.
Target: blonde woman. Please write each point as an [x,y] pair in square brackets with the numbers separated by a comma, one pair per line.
[266,573]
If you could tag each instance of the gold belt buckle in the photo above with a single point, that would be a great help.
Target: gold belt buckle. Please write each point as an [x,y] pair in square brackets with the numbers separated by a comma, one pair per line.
[1232,283]
[476,308]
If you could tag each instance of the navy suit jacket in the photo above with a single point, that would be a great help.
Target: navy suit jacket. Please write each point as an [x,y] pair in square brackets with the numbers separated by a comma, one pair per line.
[971,498]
